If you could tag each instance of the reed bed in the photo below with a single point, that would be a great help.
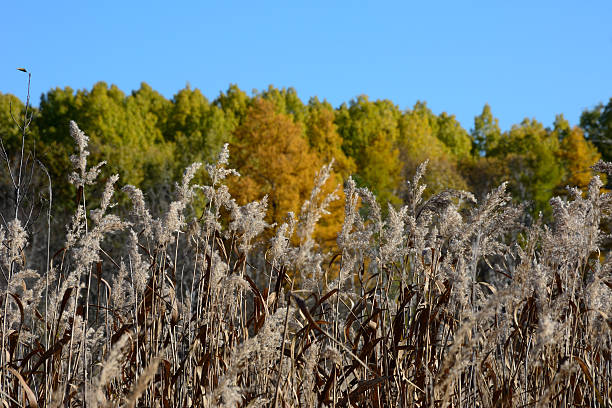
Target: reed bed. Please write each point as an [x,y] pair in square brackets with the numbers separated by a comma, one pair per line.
[444,302]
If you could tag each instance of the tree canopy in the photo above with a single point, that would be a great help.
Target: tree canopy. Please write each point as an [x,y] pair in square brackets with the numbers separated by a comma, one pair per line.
[279,142]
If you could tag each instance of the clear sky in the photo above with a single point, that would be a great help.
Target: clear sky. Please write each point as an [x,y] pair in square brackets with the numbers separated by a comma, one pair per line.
[525,58]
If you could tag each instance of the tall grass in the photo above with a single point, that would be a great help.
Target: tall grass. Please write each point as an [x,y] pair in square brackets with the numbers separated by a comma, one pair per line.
[445,302]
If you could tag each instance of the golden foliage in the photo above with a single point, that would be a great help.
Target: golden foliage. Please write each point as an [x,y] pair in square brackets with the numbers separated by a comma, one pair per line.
[274,159]
[578,155]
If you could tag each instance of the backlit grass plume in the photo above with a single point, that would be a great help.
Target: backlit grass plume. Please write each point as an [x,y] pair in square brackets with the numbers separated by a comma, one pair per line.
[443,302]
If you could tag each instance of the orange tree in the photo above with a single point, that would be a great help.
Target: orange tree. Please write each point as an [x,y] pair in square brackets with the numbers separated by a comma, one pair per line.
[274,159]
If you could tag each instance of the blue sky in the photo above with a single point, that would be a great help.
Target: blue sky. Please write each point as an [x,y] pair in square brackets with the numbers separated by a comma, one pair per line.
[525,60]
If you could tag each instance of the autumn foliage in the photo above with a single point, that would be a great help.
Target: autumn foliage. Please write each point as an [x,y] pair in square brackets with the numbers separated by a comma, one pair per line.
[279,141]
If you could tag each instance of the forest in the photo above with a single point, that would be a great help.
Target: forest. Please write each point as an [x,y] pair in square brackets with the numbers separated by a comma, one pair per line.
[278,142]
[257,251]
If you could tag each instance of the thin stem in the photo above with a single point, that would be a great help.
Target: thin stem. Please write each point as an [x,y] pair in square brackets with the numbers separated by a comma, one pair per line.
[24,130]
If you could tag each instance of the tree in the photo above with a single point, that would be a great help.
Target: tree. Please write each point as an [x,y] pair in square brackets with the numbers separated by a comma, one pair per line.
[123,133]
[483,174]
[153,107]
[455,137]
[577,155]
[485,169]
[56,109]
[486,133]
[418,142]
[11,117]
[148,111]
[324,139]
[286,101]
[273,159]
[370,132]
[234,103]
[9,131]
[597,125]
[198,128]
[531,154]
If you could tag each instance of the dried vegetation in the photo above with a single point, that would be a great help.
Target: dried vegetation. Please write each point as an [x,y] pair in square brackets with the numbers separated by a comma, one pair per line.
[442,303]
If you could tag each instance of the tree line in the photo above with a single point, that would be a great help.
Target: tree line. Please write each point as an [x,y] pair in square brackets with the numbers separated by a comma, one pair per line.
[278,142]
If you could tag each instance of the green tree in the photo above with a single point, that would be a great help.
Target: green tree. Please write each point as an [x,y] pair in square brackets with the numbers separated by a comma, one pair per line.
[419,142]
[485,169]
[124,133]
[9,131]
[196,127]
[153,107]
[54,144]
[370,132]
[57,108]
[11,117]
[446,129]
[455,137]
[486,133]
[286,101]
[234,103]
[597,125]
[531,154]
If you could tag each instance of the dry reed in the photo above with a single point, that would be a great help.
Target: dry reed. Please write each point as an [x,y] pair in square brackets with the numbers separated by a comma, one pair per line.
[443,303]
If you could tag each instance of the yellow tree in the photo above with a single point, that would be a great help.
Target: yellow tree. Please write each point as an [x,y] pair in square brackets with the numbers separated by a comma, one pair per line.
[323,137]
[418,142]
[577,154]
[325,141]
[370,134]
[531,156]
[274,159]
